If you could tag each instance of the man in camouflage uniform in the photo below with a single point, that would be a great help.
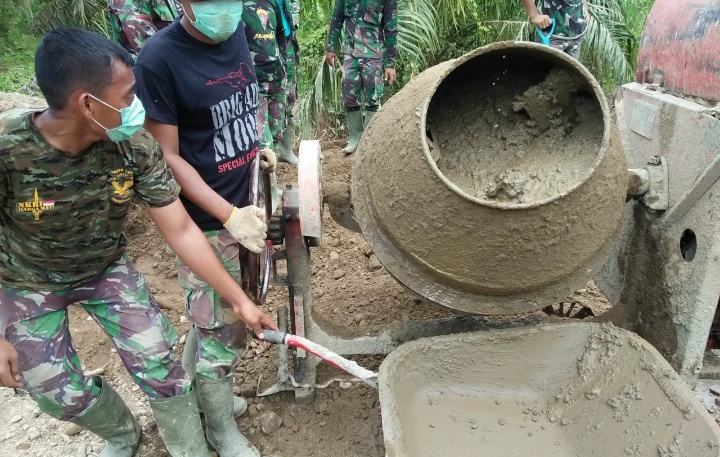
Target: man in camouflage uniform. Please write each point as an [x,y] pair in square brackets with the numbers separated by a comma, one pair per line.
[290,10]
[571,18]
[267,41]
[370,44]
[68,177]
[133,22]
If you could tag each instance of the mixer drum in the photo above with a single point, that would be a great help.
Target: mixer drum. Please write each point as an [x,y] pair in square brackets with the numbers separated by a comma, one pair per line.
[493,183]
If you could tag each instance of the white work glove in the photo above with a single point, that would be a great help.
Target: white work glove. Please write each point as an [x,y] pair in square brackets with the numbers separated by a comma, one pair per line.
[247,226]
[268,161]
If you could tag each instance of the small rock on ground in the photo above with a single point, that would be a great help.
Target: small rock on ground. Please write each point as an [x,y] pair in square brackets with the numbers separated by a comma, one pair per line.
[374,264]
[337,274]
[73,429]
[270,422]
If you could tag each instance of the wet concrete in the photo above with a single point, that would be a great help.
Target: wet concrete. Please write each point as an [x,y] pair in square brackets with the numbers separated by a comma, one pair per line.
[528,147]
[573,389]
[485,170]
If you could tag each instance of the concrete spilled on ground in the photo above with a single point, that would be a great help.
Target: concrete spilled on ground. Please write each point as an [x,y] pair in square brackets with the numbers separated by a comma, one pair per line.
[516,148]
[561,390]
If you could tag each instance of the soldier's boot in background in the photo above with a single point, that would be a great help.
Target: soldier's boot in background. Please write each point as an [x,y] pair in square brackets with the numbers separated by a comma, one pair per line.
[178,423]
[355,129]
[188,364]
[110,419]
[221,430]
[369,114]
[283,149]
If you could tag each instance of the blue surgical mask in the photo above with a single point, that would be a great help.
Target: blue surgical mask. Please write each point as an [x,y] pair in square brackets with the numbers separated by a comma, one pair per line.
[217,19]
[132,119]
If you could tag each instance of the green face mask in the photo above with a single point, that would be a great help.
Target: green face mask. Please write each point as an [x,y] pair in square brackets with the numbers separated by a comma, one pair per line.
[217,19]
[132,119]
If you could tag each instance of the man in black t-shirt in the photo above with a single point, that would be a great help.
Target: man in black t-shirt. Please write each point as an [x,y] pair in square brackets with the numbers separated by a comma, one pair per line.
[200,92]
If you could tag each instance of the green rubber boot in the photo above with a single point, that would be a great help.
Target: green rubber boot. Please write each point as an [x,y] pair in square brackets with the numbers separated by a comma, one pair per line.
[368,117]
[110,419]
[355,129]
[222,432]
[188,364]
[283,148]
[178,423]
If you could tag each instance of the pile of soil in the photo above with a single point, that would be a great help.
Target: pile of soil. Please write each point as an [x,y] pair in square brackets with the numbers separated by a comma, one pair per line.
[10,100]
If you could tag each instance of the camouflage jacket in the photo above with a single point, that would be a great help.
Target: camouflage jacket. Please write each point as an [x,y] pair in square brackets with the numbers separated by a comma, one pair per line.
[61,216]
[266,39]
[568,14]
[133,22]
[370,29]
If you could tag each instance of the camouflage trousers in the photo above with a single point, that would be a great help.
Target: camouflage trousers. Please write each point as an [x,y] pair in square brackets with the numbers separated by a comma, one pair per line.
[271,113]
[360,76]
[120,302]
[570,47]
[221,334]
[291,81]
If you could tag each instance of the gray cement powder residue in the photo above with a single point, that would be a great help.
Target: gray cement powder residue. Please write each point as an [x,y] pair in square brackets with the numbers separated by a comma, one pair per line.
[514,143]
[562,390]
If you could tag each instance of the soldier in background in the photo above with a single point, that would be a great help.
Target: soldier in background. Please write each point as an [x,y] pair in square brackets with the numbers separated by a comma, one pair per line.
[369,45]
[133,22]
[290,10]
[267,41]
[571,19]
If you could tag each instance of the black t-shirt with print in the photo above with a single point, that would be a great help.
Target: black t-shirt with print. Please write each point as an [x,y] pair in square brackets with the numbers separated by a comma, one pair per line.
[210,93]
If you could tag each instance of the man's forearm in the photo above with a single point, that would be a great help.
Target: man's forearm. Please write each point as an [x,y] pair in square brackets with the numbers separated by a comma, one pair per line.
[390,32]
[196,190]
[335,28]
[190,244]
[281,38]
[530,7]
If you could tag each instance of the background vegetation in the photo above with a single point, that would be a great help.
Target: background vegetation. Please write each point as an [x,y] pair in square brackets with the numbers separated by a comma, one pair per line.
[431,31]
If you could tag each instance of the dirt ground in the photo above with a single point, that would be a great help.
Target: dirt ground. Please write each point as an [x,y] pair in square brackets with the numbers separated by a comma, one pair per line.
[352,293]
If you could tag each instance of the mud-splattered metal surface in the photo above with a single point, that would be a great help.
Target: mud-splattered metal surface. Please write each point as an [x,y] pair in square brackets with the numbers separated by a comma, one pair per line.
[680,47]
[453,241]
[559,390]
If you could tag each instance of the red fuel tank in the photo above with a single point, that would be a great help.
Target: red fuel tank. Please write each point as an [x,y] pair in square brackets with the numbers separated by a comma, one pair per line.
[680,48]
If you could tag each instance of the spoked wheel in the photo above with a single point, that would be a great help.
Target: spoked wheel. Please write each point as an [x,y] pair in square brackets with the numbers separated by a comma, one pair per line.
[573,309]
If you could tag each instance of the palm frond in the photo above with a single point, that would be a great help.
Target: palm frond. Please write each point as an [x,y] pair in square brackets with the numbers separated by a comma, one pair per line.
[417,31]
[88,14]
[431,31]
[608,45]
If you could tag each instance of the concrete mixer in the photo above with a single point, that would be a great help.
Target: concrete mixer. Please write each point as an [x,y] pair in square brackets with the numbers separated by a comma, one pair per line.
[504,183]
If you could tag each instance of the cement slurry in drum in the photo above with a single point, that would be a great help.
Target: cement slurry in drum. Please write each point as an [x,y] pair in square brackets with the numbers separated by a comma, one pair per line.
[561,390]
[520,147]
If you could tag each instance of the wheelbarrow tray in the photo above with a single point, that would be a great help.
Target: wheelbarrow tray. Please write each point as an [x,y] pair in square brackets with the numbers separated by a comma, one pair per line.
[571,389]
